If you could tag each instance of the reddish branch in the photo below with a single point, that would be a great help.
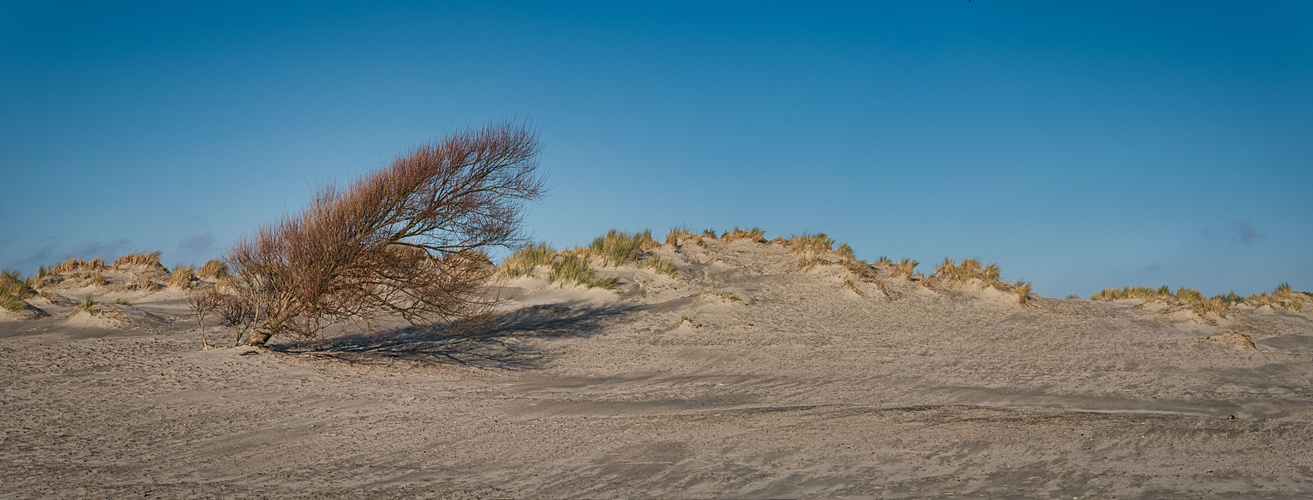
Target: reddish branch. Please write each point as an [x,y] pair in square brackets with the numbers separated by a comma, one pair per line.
[407,239]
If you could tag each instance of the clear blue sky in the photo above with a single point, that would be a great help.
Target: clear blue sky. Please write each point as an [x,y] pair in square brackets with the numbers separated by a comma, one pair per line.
[1080,145]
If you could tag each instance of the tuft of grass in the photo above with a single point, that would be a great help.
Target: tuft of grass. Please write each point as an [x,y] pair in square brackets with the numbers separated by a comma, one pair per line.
[1073,297]
[1282,296]
[182,277]
[150,259]
[14,287]
[521,262]
[989,276]
[814,244]
[122,302]
[681,233]
[884,290]
[1022,289]
[1203,307]
[724,294]
[755,235]
[884,260]
[574,269]
[72,265]
[845,253]
[86,305]
[213,270]
[847,282]
[619,247]
[709,233]
[1188,297]
[95,277]
[662,266]
[1134,292]
[905,268]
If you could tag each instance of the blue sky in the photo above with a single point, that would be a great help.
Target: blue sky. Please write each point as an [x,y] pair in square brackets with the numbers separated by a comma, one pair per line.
[1080,145]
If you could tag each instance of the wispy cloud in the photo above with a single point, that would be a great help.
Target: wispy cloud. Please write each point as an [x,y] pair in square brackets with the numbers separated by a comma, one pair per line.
[1236,231]
[197,243]
[88,249]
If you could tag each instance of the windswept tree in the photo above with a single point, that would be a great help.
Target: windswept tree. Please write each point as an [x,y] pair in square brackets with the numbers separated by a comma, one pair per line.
[408,240]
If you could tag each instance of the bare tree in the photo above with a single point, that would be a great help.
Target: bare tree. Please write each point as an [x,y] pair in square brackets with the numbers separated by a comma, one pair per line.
[202,302]
[407,239]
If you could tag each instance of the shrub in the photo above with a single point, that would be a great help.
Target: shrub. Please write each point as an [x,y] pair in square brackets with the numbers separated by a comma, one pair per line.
[14,288]
[402,240]
[182,277]
[213,270]
[151,259]
[574,269]
[522,261]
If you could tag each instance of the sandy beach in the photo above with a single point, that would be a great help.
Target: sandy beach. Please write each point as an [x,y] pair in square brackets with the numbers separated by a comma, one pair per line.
[745,376]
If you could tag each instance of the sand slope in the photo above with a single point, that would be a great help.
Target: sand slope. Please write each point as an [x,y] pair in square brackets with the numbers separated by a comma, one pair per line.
[802,387]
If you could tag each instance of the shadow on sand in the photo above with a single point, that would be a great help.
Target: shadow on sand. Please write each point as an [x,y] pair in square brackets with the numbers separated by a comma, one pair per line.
[501,343]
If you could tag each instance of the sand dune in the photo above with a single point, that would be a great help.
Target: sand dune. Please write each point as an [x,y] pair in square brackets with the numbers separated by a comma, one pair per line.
[745,376]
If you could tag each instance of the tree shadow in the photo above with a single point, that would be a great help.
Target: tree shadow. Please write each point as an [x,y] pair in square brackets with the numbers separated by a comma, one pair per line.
[502,342]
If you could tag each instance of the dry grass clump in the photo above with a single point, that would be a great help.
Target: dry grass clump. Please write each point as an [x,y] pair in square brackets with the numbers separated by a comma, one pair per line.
[755,235]
[813,244]
[95,278]
[151,259]
[662,266]
[1282,296]
[1189,297]
[970,269]
[521,262]
[73,265]
[182,277]
[619,247]
[723,294]
[13,289]
[1135,292]
[676,234]
[574,269]
[212,270]
[905,268]
[848,282]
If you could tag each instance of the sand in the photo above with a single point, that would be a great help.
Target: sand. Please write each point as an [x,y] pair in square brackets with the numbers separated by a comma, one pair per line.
[802,387]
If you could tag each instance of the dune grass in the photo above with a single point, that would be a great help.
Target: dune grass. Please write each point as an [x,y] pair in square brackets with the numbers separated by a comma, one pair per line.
[1283,296]
[1182,296]
[212,270]
[72,265]
[755,235]
[988,275]
[723,294]
[619,247]
[150,259]
[681,233]
[574,269]
[521,262]
[905,268]
[811,244]
[662,266]
[182,276]
[14,288]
